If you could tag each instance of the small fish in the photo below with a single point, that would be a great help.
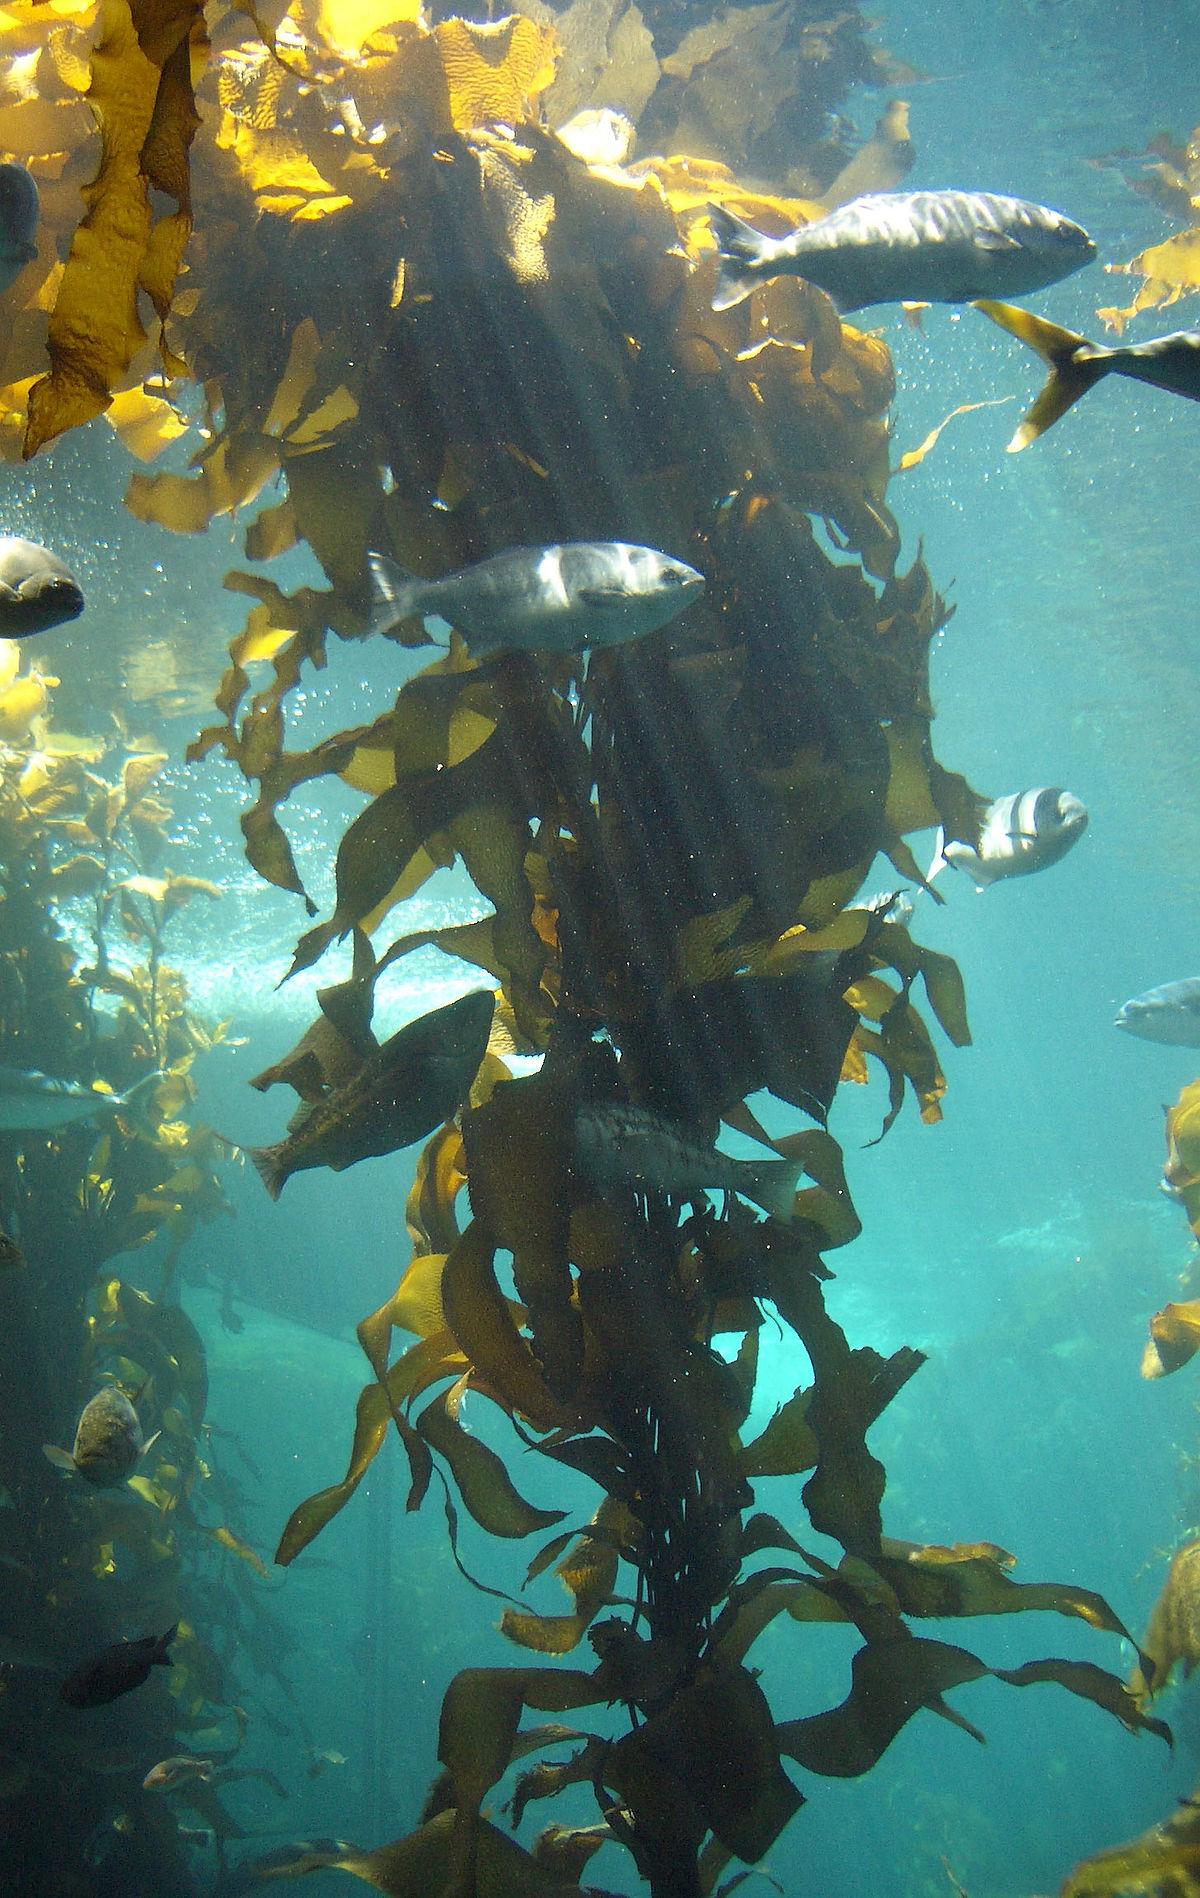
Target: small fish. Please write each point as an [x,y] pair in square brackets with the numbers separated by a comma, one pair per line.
[402,1092]
[906,247]
[117,1670]
[1024,832]
[543,599]
[1170,1014]
[598,135]
[173,1771]
[11,1256]
[1165,362]
[632,1149]
[38,1103]
[108,1440]
[36,590]
[18,222]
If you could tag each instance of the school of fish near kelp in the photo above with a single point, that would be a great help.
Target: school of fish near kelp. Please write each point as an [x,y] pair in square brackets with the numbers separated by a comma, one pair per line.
[669,835]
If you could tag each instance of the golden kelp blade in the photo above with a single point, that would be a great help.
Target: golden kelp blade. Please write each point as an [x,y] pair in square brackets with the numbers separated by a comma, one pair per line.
[912,456]
[1173,1635]
[1163,1862]
[1174,1338]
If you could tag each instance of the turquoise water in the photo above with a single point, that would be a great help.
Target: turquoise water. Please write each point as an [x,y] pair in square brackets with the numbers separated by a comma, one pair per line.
[1022,1243]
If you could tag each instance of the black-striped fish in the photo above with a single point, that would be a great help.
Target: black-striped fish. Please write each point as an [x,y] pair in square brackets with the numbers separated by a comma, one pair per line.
[1027,831]
[906,247]
[1165,362]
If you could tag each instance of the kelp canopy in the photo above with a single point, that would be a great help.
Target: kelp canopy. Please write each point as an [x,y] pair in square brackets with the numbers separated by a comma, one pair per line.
[459,337]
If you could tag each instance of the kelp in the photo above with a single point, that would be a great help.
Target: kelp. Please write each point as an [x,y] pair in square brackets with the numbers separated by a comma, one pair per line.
[1170,176]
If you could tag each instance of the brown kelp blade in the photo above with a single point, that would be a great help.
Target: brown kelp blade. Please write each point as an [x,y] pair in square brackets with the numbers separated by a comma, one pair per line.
[1072,373]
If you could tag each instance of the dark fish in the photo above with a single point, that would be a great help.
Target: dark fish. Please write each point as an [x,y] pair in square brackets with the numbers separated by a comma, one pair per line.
[18,222]
[1024,832]
[173,1771]
[906,247]
[632,1149]
[401,1093]
[108,1440]
[1170,1014]
[36,590]
[1165,362]
[543,599]
[38,1103]
[117,1670]
[11,1255]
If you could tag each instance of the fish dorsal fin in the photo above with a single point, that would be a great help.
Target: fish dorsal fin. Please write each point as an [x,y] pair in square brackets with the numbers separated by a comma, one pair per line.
[61,1459]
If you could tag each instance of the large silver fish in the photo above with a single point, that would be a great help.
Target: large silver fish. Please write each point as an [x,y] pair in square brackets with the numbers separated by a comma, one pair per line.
[1170,1014]
[108,1440]
[18,222]
[1165,362]
[543,599]
[1024,832]
[36,590]
[631,1149]
[39,1103]
[906,247]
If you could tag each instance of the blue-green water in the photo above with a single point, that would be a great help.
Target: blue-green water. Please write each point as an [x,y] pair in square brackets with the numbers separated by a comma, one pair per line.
[1022,1243]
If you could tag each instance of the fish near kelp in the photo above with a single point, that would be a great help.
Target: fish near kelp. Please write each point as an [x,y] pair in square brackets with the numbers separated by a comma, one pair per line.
[621,1149]
[1019,834]
[1076,365]
[905,247]
[40,1103]
[1169,1014]
[117,1670]
[19,208]
[108,1440]
[36,590]
[405,1089]
[553,599]
[176,1771]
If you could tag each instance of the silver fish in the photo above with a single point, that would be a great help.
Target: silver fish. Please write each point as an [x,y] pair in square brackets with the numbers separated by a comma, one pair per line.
[108,1440]
[39,1103]
[632,1149]
[543,599]
[906,247]
[117,1670]
[36,590]
[173,1771]
[1165,362]
[1170,1014]
[1024,832]
[18,222]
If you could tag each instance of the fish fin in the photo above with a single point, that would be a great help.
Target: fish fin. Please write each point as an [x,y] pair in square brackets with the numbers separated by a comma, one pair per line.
[741,254]
[160,1657]
[939,861]
[601,596]
[394,593]
[134,1100]
[994,240]
[1072,373]
[270,1165]
[772,1184]
[150,1443]
[61,1459]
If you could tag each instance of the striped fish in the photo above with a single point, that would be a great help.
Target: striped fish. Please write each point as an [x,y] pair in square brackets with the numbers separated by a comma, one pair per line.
[1024,832]
[906,247]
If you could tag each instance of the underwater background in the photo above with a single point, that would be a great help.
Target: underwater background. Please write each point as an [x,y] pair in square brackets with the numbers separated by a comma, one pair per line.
[1021,1243]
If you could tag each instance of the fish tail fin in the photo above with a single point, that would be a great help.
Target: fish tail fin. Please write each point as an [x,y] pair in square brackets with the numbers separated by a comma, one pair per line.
[136,1099]
[741,254]
[161,1657]
[150,1443]
[394,594]
[772,1185]
[939,861]
[61,1459]
[1075,365]
[270,1165]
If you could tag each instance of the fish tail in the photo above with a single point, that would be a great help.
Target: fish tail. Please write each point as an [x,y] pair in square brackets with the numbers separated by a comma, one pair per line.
[1075,365]
[270,1165]
[393,593]
[160,1657]
[742,253]
[940,861]
[771,1184]
[136,1099]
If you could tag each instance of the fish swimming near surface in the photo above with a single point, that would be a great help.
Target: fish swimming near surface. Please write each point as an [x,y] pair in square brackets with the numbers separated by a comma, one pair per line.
[1170,1014]
[19,208]
[36,590]
[632,1149]
[405,1089]
[906,247]
[39,1103]
[108,1440]
[1019,834]
[542,599]
[117,1670]
[1165,362]
[174,1771]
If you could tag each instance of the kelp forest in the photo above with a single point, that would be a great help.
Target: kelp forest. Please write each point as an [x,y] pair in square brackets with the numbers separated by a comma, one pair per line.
[391,280]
